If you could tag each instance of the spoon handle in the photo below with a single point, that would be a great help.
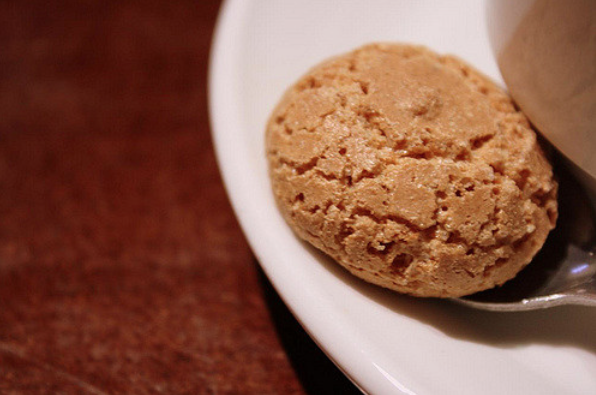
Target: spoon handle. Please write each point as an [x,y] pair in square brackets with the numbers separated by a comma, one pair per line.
[584,295]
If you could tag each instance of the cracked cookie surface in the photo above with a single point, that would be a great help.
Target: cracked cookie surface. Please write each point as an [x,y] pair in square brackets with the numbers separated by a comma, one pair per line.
[412,170]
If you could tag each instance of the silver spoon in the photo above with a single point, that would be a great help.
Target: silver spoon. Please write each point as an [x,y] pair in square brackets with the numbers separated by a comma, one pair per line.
[564,272]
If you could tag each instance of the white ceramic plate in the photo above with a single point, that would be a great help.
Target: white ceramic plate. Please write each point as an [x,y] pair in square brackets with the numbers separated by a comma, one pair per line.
[385,342]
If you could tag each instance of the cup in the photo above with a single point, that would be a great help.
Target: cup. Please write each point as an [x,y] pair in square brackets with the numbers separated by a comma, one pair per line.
[546,51]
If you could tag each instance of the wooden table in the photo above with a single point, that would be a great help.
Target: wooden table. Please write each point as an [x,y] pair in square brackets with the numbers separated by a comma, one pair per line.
[122,268]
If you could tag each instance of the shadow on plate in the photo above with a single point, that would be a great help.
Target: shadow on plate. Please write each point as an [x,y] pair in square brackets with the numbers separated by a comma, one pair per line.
[317,374]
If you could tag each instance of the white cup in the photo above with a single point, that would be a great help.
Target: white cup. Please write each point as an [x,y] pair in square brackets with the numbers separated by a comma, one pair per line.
[546,51]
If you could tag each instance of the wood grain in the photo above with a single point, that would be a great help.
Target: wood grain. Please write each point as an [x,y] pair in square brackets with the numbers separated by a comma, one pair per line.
[122,268]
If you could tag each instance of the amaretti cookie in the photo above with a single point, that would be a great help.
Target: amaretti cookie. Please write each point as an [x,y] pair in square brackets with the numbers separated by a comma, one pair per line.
[412,170]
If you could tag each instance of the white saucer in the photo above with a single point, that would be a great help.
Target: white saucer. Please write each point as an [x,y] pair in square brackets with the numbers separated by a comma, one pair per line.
[386,343]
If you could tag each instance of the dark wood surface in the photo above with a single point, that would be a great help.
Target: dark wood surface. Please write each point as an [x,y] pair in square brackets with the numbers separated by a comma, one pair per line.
[122,268]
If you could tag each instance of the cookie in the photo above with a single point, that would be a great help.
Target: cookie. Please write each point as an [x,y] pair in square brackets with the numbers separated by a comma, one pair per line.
[412,170]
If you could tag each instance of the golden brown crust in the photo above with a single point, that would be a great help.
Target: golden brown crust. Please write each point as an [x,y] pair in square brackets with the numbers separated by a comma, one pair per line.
[414,171]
